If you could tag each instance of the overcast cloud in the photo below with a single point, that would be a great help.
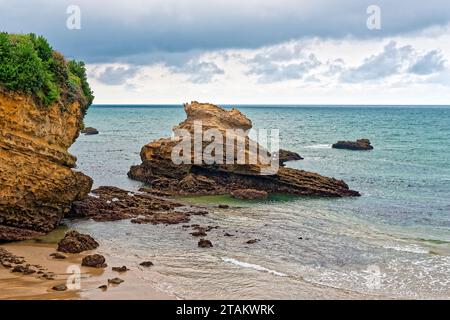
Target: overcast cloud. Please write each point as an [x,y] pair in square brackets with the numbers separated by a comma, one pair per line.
[281,50]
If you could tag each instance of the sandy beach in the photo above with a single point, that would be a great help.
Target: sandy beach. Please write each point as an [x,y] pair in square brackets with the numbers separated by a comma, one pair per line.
[19,286]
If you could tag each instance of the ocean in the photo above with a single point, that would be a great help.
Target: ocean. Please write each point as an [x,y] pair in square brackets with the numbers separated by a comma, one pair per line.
[392,242]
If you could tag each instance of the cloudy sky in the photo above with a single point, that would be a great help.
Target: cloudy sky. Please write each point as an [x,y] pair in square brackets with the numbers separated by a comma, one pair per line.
[252,51]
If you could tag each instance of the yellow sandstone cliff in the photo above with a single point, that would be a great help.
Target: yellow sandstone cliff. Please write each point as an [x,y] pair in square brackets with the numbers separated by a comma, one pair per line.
[37,182]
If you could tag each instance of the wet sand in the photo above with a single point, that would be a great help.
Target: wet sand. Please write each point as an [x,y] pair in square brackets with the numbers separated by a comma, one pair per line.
[20,286]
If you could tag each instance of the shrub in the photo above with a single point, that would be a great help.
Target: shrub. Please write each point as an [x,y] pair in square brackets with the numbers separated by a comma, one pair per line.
[28,64]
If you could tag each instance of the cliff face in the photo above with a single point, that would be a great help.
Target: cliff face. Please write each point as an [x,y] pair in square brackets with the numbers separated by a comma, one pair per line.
[37,184]
[161,173]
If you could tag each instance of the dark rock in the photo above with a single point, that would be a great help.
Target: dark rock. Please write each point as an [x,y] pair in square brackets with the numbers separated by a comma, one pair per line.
[57,255]
[75,242]
[146,264]
[249,194]
[60,287]
[26,270]
[199,233]
[360,144]
[203,243]
[285,156]
[223,206]
[94,261]
[120,269]
[253,241]
[111,203]
[104,287]
[226,234]
[89,131]
[115,281]
[17,234]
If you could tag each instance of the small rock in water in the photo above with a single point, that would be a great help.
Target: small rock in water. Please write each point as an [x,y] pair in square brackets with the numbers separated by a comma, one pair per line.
[146,264]
[249,194]
[115,281]
[104,287]
[360,144]
[60,287]
[203,243]
[94,261]
[89,131]
[120,269]
[226,234]
[58,255]
[223,206]
[199,233]
[252,241]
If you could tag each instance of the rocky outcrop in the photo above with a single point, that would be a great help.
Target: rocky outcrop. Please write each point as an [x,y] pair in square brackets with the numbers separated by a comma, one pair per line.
[249,194]
[221,177]
[112,203]
[75,242]
[360,144]
[94,261]
[285,156]
[37,182]
[89,131]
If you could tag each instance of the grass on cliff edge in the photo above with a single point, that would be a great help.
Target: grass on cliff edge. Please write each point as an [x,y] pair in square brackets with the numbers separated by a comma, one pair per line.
[28,64]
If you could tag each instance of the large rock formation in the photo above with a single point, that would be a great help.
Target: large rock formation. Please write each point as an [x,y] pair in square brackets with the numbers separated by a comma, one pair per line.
[202,177]
[37,182]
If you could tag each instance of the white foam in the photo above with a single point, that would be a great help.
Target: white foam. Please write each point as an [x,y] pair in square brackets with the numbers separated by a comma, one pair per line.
[115,200]
[409,248]
[319,146]
[253,266]
[93,195]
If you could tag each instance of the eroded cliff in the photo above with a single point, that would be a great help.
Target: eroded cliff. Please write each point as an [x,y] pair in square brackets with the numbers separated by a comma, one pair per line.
[37,182]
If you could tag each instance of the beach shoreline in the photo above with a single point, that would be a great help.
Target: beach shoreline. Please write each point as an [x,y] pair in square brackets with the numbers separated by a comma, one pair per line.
[18,286]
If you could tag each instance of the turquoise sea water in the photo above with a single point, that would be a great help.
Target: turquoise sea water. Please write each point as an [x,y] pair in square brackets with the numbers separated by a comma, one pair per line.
[392,241]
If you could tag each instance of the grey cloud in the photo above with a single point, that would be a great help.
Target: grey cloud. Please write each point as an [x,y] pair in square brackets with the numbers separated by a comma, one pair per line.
[199,71]
[391,61]
[431,62]
[282,63]
[115,75]
[137,31]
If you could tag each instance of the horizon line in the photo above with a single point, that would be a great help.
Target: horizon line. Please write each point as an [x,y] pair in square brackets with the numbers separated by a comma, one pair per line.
[278,104]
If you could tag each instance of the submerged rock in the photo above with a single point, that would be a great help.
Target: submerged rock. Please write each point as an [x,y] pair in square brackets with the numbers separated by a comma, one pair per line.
[89,131]
[203,243]
[120,269]
[115,281]
[249,194]
[360,144]
[75,242]
[60,287]
[200,178]
[58,256]
[146,264]
[94,261]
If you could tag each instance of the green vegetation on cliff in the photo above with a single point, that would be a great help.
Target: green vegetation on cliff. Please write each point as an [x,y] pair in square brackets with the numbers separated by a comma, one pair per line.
[29,64]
